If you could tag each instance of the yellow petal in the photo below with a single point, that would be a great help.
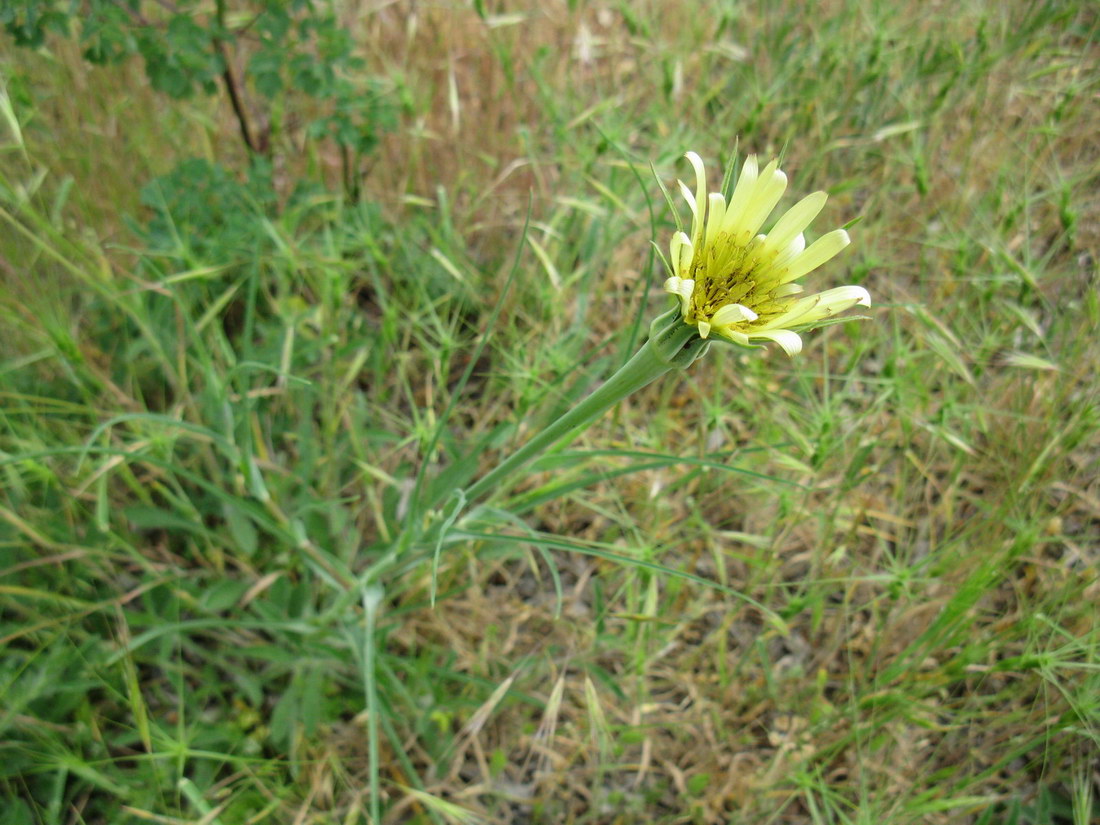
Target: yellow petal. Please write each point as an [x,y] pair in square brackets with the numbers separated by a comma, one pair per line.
[680,250]
[796,219]
[732,314]
[716,211]
[735,336]
[773,271]
[683,287]
[822,305]
[788,289]
[791,343]
[765,195]
[815,255]
[700,194]
[741,191]
[690,198]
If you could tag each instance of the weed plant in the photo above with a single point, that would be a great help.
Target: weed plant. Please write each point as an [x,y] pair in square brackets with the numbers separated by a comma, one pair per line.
[855,586]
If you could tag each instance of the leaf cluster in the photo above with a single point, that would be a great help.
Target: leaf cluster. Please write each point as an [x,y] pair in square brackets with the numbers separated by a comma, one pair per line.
[270,57]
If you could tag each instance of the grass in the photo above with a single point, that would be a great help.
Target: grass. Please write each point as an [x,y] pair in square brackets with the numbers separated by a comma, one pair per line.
[854,587]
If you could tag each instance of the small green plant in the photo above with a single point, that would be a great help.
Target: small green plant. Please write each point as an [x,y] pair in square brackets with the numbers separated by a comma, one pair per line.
[287,68]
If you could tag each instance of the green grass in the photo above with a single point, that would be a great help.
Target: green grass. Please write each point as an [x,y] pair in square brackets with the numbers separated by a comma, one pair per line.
[858,586]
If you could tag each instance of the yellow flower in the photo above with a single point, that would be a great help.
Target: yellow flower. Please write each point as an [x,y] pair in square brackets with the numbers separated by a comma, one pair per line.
[740,284]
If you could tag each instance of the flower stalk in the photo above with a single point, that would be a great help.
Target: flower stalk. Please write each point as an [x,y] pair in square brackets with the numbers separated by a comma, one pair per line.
[672,344]
[731,280]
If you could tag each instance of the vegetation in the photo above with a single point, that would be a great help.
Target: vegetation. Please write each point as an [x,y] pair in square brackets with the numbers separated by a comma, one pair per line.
[240,382]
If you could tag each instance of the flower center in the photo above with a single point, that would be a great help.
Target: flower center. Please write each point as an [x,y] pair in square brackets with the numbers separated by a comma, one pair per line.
[725,273]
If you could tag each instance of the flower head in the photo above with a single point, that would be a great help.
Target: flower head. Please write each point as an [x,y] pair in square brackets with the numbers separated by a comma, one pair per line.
[740,284]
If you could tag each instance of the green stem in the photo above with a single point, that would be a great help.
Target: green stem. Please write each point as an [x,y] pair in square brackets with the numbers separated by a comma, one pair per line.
[672,344]
[372,597]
